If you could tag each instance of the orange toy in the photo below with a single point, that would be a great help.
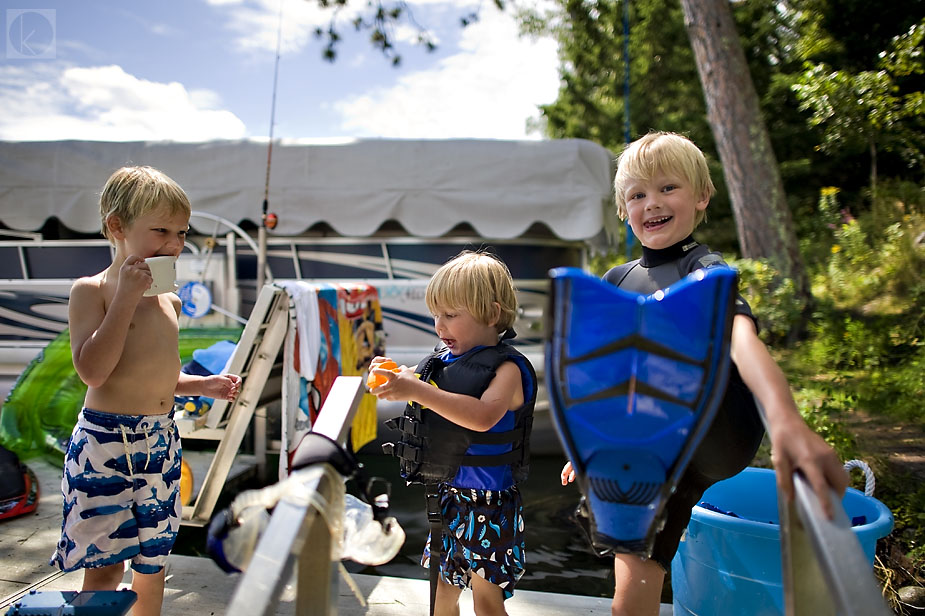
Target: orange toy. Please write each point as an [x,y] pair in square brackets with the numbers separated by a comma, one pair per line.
[186,483]
[375,380]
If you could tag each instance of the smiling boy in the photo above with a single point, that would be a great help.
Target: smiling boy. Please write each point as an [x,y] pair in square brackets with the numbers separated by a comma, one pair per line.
[122,468]
[663,187]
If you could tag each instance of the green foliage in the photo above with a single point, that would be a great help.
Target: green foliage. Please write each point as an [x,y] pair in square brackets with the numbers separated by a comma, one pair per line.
[866,344]
[859,40]
[869,324]
[869,110]
[591,102]
[600,263]
[897,390]
[771,296]
[876,261]
[824,421]
[822,398]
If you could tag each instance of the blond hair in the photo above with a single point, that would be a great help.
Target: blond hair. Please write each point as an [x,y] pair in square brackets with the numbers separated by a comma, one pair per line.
[475,281]
[132,192]
[661,152]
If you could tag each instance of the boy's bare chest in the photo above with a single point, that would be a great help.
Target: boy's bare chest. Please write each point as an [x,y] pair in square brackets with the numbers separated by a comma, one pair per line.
[153,328]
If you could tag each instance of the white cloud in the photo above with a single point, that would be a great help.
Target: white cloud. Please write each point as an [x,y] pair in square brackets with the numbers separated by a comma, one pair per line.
[256,22]
[49,102]
[488,89]
[485,81]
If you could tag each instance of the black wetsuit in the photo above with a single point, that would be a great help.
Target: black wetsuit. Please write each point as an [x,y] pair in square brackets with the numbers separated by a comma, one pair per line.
[736,432]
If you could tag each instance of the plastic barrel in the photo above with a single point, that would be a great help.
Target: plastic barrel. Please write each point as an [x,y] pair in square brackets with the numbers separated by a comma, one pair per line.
[731,565]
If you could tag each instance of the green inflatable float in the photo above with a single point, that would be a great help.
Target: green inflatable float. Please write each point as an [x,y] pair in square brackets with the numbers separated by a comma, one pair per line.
[40,411]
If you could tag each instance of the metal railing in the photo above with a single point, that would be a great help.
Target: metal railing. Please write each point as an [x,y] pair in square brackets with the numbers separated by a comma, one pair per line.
[824,570]
[298,534]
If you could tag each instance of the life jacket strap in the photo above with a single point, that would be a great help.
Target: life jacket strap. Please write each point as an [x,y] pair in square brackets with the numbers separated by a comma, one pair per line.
[407,425]
[404,451]
[499,459]
[435,519]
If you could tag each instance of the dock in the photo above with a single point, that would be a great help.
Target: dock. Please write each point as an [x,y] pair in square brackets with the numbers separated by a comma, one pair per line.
[197,586]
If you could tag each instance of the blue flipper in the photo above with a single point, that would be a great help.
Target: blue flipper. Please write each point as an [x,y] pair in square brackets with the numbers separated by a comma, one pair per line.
[634,382]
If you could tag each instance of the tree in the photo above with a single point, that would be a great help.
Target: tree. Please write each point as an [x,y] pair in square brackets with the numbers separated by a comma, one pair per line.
[380,21]
[867,110]
[777,38]
[664,92]
[763,219]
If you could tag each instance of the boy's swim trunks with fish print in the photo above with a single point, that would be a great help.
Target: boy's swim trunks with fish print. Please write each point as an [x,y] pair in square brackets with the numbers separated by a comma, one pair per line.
[121,489]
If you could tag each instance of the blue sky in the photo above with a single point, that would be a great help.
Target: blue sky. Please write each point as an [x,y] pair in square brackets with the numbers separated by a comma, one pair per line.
[193,70]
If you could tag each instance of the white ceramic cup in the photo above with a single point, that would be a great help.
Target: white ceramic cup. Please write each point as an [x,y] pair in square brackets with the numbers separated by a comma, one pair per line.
[164,272]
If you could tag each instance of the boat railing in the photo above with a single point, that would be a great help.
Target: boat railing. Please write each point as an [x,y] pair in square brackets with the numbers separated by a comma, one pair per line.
[299,534]
[824,569]
[24,244]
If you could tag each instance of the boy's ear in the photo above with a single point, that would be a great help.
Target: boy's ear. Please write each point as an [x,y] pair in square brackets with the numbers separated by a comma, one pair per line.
[495,314]
[115,226]
[702,204]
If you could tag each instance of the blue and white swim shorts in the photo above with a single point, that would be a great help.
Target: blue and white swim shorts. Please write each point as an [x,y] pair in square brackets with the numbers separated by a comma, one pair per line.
[483,535]
[121,488]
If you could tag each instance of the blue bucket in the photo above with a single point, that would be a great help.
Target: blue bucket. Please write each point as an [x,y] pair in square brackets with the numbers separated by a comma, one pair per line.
[731,565]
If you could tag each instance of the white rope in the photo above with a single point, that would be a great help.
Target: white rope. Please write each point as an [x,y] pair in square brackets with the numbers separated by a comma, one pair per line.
[127,450]
[869,481]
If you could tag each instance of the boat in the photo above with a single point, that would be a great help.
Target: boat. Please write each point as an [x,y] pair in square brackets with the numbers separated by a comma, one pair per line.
[387,212]
[381,212]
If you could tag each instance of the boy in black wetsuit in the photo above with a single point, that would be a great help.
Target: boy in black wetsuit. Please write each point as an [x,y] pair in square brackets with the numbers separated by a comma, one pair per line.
[663,188]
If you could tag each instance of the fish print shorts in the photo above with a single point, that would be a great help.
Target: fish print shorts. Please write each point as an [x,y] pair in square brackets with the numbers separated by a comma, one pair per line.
[483,535]
[121,487]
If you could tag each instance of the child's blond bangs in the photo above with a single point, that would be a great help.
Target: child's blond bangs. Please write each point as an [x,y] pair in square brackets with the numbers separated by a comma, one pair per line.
[474,281]
[133,192]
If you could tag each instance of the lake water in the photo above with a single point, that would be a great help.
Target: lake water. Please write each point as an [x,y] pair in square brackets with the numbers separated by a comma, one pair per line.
[558,559]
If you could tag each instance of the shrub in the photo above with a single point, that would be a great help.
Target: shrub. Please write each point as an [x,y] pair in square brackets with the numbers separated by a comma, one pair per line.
[771,296]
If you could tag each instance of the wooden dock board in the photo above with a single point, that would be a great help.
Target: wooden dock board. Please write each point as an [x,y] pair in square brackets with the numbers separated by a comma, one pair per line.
[198,586]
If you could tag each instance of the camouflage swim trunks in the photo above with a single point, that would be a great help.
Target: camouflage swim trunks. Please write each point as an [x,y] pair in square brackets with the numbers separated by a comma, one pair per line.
[121,488]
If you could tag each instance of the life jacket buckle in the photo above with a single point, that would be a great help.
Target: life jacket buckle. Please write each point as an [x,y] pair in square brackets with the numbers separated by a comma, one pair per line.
[408,426]
[404,451]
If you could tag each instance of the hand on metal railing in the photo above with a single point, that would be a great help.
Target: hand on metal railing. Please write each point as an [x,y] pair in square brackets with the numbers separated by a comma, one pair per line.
[818,552]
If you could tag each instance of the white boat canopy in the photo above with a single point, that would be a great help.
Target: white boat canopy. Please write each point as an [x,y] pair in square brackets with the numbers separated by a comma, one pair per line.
[500,188]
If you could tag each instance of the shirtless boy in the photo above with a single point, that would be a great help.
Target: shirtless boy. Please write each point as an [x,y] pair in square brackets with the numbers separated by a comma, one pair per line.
[122,468]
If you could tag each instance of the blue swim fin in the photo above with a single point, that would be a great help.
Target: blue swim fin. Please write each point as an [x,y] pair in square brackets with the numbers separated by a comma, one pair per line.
[634,382]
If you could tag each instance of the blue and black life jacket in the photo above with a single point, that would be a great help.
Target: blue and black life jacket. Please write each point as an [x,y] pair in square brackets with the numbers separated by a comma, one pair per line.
[431,448]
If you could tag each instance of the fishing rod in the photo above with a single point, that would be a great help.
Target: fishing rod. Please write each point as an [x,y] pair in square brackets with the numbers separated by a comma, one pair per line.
[269,220]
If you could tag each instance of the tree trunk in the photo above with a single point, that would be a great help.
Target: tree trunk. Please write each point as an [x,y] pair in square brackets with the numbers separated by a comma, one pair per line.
[763,220]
